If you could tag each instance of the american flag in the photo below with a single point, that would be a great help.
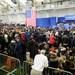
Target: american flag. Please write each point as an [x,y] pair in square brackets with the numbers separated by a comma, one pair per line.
[31,17]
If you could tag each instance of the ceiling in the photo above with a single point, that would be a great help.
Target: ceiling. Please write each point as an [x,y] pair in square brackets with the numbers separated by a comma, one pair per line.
[14,2]
[7,4]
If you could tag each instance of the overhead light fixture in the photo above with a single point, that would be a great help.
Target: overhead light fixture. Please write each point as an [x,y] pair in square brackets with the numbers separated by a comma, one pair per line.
[9,2]
[52,5]
[4,4]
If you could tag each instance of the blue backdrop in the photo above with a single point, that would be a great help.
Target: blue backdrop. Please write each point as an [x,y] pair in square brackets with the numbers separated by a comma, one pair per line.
[51,22]
[46,22]
[43,22]
[61,19]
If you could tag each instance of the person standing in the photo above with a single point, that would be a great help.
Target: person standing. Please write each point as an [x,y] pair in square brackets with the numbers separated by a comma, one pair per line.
[52,39]
[40,61]
[33,47]
[19,50]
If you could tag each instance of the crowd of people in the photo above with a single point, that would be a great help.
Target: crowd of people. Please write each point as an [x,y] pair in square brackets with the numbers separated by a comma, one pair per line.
[58,46]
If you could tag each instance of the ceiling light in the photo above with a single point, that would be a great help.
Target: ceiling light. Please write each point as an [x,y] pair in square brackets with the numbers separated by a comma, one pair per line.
[10,2]
[3,4]
[52,6]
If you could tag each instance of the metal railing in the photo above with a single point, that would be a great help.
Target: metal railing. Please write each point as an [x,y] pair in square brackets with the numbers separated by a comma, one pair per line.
[10,65]
[55,71]
[26,68]
[47,71]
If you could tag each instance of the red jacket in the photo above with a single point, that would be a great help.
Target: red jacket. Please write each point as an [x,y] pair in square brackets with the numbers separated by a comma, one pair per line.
[52,40]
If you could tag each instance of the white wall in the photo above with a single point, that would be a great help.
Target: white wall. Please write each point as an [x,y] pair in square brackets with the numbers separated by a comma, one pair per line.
[56,12]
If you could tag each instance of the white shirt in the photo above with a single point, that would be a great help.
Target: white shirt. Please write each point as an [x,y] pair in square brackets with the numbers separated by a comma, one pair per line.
[6,37]
[40,61]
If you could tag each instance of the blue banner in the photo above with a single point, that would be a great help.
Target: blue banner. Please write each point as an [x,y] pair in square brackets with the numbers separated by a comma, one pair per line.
[53,21]
[43,22]
[46,22]
[70,17]
[61,19]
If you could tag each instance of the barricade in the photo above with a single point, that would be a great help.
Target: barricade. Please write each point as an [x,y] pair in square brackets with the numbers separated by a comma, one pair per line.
[9,65]
[47,71]
[26,68]
[56,71]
